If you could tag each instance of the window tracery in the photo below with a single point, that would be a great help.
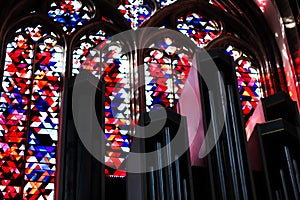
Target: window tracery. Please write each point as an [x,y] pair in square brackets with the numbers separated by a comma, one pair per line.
[199,29]
[70,14]
[30,100]
[33,74]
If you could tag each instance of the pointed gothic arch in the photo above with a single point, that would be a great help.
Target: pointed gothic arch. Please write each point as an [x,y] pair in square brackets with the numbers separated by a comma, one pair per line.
[243,26]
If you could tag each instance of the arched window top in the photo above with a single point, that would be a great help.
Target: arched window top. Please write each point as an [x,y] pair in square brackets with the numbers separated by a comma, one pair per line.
[35,32]
[170,46]
[84,47]
[200,29]
[166,67]
[18,62]
[240,56]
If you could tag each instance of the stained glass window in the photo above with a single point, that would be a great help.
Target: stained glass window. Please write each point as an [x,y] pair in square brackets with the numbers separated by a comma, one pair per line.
[117,108]
[107,62]
[32,79]
[87,46]
[166,68]
[138,11]
[200,29]
[135,11]
[248,81]
[30,104]
[14,114]
[70,14]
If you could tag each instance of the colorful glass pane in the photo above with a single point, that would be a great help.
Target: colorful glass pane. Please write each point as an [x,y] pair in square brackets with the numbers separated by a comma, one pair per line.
[29,115]
[199,29]
[166,69]
[248,81]
[71,14]
[106,61]
[44,121]
[135,12]
[35,33]
[14,114]
[117,109]
[87,46]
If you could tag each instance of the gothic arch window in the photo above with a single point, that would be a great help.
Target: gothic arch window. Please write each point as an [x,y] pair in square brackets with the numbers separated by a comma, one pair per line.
[36,58]
[209,32]
[112,66]
[166,67]
[31,93]
[248,77]
[202,31]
